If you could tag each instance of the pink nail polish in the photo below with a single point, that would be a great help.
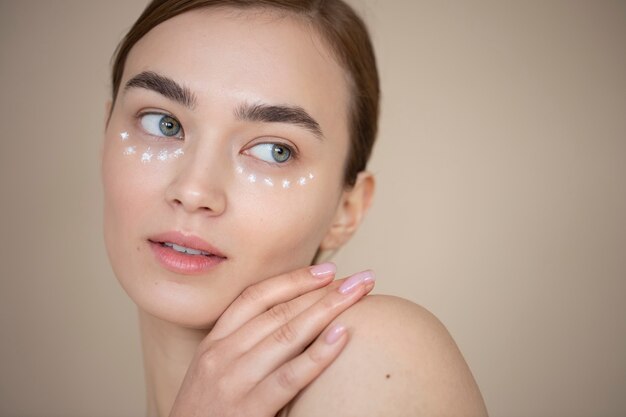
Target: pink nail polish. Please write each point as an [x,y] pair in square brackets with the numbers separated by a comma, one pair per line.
[334,334]
[355,280]
[323,270]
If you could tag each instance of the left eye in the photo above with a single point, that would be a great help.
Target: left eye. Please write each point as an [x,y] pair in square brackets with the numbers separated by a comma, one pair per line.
[158,124]
[271,152]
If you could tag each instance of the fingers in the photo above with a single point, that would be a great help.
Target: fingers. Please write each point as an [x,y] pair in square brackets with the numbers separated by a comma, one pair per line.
[260,297]
[261,359]
[258,328]
[291,337]
[282,385]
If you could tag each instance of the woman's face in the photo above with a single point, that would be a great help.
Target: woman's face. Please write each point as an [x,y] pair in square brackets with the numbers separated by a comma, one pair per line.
[228,137]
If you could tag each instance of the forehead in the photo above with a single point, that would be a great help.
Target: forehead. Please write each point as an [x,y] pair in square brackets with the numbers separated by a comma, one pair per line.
[229,56]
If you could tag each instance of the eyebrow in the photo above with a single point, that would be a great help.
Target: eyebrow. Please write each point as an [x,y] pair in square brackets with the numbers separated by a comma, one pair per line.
[163,85]
[257,112]
[266,113]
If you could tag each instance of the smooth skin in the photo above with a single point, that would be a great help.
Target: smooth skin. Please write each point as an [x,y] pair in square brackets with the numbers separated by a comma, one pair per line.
[246,337]
[251,363]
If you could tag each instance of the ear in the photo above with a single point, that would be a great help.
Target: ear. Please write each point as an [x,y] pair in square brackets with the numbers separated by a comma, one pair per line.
[350,212]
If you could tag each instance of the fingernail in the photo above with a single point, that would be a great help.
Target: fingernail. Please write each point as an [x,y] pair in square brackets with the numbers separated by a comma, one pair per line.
[323,270]
[334,334]
[355,280]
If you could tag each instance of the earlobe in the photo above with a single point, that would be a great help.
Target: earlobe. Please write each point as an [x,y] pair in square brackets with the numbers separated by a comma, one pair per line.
[350,212]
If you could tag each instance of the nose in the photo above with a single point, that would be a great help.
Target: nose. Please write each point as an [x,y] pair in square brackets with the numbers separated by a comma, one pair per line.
[198,186]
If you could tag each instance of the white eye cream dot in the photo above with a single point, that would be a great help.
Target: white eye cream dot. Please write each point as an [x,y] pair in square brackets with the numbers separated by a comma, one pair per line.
[147,156]
[162,155]
[124,135]
[178,152]
[131,150]
[284,183]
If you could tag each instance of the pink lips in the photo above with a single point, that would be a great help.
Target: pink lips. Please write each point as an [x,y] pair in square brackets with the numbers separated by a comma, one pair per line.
[184,263]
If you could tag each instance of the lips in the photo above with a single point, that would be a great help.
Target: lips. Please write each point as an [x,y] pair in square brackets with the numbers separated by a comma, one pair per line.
[185,254]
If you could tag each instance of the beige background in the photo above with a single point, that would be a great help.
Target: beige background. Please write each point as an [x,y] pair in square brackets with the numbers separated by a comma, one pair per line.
[502,174]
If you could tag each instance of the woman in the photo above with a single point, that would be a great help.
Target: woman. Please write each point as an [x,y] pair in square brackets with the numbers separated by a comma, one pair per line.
[235,151]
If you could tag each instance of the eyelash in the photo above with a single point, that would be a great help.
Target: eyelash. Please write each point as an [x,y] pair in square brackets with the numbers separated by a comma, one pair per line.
[179,135]
[293,151]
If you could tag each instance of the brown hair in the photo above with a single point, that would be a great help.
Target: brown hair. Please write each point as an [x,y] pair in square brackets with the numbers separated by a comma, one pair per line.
[340,26]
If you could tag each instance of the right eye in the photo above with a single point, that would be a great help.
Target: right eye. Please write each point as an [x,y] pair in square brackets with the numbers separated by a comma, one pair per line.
[158,124]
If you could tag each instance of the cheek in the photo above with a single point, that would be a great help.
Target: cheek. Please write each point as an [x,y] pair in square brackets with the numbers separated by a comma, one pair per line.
[131,167]
[282,215]
[131,188]
[281,229]
[127,181]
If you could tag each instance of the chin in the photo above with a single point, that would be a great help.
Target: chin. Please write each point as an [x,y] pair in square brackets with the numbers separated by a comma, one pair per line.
[194,302]
[179,304]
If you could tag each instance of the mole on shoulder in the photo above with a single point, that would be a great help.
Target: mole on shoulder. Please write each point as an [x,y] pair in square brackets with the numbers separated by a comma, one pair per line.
[388,376]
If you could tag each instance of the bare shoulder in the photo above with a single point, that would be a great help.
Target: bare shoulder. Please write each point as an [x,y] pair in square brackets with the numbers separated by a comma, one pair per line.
[400,361]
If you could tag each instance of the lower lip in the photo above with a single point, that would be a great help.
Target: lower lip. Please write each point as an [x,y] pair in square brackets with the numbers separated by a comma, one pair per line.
[182,263]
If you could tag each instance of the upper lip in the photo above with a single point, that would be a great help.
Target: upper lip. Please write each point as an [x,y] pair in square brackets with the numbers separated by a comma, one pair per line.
[188,241]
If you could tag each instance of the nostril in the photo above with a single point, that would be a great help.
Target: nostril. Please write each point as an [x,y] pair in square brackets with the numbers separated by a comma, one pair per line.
[179,203]
[190,198]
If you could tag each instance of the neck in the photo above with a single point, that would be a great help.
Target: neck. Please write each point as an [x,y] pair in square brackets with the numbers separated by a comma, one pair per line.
[167,352]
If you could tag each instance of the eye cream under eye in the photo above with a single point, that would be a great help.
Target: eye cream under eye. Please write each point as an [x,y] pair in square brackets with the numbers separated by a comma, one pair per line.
[146,154]
[284,183]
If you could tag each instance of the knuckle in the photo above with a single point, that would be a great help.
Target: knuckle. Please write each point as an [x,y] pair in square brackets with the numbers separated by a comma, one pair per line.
[286,377]
[209,360]
[285,334]
[280,312]
[252,294]
[294,277]
[329,302]
[316,356]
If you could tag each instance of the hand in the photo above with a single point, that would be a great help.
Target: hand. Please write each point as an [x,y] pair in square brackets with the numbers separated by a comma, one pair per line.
[270,343]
